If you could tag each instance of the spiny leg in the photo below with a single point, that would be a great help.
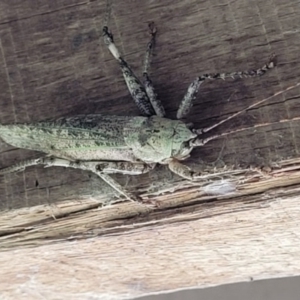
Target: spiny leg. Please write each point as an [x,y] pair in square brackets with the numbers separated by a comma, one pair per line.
[183,171]
[93,167]
[156,103]
[102,168]
[21,166]
[127,168]
[98,167]
[221,187]
[187,101]
[135,87]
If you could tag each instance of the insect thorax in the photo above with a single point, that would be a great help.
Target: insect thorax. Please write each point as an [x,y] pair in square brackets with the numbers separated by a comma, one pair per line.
[156,139]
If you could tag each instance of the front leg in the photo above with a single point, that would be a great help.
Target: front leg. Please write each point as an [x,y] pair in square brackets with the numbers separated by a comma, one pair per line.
[182,170]
[135,87]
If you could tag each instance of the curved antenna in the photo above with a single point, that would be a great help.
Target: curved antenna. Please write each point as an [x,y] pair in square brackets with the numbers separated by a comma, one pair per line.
[201,142]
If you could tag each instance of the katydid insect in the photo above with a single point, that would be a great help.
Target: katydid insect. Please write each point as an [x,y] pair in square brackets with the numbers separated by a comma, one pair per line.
[121,144]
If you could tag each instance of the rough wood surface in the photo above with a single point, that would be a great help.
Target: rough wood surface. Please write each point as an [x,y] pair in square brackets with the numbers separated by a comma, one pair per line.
[54,64]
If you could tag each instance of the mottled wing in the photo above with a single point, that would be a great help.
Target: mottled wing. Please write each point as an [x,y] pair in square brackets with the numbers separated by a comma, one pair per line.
[82,137]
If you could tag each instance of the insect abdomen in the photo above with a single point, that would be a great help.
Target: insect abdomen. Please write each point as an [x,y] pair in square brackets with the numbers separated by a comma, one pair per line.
[82,137]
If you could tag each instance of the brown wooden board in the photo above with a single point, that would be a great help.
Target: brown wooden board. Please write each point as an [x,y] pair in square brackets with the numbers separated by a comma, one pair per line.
[54,63]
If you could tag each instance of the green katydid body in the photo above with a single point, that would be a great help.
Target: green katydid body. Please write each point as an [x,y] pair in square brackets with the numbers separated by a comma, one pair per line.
[121,144]
[104,138]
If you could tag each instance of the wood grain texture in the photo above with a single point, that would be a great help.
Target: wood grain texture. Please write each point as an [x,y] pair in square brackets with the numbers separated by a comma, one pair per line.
[54,63]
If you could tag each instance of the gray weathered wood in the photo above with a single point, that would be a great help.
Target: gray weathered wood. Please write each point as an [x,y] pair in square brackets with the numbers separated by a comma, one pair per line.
[54,64]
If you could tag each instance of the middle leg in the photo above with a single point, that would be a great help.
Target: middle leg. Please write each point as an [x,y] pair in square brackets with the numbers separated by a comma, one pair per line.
[101,168]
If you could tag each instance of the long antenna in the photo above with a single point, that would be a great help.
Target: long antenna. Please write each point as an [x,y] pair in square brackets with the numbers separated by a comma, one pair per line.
[259,125]
[200,142]
[207,129]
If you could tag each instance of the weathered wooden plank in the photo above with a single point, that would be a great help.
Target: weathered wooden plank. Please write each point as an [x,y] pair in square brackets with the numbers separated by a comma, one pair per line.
[54,64]
[211,245]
